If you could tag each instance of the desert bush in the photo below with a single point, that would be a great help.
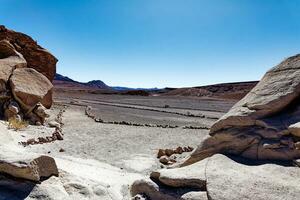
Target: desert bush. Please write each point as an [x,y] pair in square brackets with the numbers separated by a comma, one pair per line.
[16,124]
[166,106]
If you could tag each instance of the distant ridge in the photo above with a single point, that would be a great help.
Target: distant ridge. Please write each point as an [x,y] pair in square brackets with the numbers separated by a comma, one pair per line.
[61,80]
[236,90]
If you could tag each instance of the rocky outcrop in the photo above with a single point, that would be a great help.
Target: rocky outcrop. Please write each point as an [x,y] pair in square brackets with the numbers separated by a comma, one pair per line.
[26,73]
[36,57]
[219,177]
[263,125]
[27,166]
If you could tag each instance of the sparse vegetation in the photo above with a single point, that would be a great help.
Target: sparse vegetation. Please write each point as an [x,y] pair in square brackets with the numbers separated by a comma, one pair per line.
[167,106]
[16,124]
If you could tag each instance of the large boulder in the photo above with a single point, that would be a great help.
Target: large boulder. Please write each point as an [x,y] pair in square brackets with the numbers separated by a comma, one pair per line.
[219,177]
[29,87]
[257,127]
[36,57]
[26,165]
[9,60]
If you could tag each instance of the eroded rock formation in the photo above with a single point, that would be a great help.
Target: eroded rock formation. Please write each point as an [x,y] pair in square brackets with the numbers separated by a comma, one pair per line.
[264,124]
[26,74]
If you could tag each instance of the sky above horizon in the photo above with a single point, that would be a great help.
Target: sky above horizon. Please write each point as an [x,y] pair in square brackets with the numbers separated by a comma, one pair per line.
[160,43]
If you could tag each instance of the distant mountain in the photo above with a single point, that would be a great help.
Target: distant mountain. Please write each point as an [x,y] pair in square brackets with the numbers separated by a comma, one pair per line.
[97,84]
[61,81]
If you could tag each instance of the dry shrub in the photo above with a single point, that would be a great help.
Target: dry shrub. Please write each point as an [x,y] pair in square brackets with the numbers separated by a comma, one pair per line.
[17,124]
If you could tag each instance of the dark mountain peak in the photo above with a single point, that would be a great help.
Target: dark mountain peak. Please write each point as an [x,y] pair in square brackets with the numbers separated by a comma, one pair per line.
[97,84]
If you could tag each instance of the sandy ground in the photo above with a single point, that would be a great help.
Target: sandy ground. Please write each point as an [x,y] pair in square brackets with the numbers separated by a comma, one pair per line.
[128,147]
[101,161]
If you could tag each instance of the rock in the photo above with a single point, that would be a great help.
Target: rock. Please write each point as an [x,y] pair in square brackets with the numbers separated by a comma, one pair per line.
[219,177]
[27,166]
[149,189]
[164,160]
[14,107]
[61,150]
[58,135]
[238,181]
[261,117]
[189,176]
[41,112]
[54,124]
[169,152]
[36,57]
[29,87]
[295,129]
[178,150]
[161,153]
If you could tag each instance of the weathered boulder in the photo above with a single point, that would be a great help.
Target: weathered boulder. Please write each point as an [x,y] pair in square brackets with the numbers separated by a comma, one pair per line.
[36,57]
[29,87]
[27,166]
[219,177]
[9,60]
[295,129]
[257,126]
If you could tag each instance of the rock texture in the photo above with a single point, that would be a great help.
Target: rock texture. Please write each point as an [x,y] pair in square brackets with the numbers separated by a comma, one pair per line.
[26,74]
[260,126]
[30,87]
[30,167]
[220,177]
[36,57]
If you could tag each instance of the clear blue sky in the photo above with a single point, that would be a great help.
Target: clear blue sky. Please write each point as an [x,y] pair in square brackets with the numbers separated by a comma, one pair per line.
[158,43]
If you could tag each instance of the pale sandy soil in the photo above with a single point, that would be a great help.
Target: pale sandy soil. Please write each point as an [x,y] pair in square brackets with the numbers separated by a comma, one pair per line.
[101,161]
[128,147]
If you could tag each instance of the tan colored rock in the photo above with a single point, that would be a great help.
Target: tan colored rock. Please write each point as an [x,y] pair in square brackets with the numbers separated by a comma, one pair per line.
[189,176]
[25,165]
[164,160]
[29,87]
[151,190]
[295,129]
[9,60]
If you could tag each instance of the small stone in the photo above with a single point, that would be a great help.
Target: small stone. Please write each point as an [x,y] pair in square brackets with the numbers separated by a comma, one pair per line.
[161,153]
[178,150]
[169,152]
[61,150]
[54,124]
[164,160]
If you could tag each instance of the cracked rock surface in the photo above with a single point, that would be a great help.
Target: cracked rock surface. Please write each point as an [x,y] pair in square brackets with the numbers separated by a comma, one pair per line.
[262,125]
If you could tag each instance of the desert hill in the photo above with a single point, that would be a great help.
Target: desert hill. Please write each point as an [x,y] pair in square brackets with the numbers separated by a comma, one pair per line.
[235,90]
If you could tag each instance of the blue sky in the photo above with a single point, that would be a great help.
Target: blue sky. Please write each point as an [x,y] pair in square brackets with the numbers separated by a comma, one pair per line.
[158,43]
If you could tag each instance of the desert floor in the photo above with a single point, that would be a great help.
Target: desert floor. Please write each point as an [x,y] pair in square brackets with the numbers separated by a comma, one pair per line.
[130,148]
